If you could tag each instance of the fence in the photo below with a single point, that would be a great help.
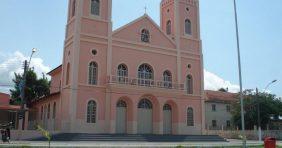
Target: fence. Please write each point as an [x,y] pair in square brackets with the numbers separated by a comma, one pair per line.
[250,134]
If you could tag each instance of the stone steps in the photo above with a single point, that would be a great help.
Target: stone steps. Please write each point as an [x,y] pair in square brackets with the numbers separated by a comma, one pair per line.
[132,138]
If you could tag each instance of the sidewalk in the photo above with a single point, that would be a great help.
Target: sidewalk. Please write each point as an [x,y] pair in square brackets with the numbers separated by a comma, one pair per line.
[232,142]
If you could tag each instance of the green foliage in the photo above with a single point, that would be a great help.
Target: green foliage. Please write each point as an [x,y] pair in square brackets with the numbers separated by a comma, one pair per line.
[270,106]
[44,133]
[35,88]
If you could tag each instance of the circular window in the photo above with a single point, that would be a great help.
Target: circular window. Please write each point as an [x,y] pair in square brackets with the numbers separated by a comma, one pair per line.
[187,9]
[189,66]
[94,52]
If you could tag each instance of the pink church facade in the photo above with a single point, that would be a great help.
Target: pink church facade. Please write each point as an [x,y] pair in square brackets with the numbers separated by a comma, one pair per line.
[139,79]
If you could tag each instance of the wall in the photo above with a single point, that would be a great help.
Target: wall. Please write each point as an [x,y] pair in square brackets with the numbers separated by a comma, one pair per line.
[4,99]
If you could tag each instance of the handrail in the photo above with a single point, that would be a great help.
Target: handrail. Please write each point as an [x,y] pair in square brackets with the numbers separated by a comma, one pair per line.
[143,82]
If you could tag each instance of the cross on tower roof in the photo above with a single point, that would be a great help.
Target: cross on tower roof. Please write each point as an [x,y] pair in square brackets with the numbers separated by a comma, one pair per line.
[145,9]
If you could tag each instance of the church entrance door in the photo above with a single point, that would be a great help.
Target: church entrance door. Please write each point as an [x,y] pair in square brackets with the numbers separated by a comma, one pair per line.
[121,117]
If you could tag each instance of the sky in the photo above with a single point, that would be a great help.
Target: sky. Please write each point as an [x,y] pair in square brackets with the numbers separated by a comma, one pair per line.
[41,24]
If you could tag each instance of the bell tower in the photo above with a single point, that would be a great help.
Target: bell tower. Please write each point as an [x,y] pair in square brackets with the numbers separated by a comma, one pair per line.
[180,18]
[87,39]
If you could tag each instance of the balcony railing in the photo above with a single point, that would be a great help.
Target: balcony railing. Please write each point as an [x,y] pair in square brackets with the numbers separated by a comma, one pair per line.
[144,82]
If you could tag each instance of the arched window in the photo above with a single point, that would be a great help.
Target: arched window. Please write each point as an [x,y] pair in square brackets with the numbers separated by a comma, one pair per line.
[91,112]
[168,27]
[93,73]
[167,79]
[48,114]
[167,107]
[122,73]
[54,110]
[145,104]
[190,117]
[145,75]
[68,74]
[188,27]
[145,36]
[73,8]
[189,84]
[95,7]
[121,103]
[41,113]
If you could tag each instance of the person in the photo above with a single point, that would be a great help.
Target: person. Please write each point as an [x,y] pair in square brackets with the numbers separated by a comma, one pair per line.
[4,135]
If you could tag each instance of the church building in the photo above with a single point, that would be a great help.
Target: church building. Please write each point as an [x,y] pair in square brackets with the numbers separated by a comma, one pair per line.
[142,78]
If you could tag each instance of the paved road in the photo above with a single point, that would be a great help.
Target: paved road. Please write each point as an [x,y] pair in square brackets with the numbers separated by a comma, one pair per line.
[132,144]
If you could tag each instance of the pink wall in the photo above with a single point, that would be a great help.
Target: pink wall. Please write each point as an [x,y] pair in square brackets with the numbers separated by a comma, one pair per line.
[4,99]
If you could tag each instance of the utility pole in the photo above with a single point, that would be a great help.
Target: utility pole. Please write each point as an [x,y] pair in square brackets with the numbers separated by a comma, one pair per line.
[259,126]
[22,90]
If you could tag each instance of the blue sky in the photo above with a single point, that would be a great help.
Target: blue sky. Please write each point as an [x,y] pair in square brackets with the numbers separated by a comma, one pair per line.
[41,24]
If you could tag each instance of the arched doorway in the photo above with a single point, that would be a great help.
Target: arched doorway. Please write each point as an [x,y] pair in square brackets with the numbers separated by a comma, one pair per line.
[145,117]
[167,119]
[121,117]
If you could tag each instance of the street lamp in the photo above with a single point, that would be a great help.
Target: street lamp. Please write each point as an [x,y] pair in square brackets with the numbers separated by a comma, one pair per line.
[240,77]
[32,52]
[259,126]
[23,84]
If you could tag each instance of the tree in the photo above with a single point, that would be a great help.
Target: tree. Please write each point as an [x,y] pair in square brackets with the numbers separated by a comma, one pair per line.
[35,88]
[270,106]
[223,89]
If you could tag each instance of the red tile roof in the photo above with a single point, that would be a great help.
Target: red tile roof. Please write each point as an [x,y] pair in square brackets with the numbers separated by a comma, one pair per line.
[220,96]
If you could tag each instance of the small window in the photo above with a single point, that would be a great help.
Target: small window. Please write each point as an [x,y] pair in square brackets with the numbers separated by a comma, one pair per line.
[41,116]
[214,124]
[48,114]
[54,110]
[94,52]
[228,109]
[188,27]
[167,79]
[145,36]
[214,107]
[168,27]
[91,112]
[95,7]
[68,74]
[73,8]
[189,66]
[167,107]
[228,123]
[190,117]
[121,103]
[93,73]
[189,84]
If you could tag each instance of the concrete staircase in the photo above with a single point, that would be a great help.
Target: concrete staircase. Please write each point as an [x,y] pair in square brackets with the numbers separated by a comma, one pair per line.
[132,138]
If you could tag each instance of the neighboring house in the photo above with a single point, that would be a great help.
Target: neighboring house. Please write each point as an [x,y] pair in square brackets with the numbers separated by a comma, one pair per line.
[8,113]
[139,79]
[218,109]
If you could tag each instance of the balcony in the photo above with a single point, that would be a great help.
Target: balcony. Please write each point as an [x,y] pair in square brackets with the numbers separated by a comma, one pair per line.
[144,83]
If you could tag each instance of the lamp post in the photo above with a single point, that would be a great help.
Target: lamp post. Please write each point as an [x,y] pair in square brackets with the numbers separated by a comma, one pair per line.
[259,122]
[240,77]
[23,85]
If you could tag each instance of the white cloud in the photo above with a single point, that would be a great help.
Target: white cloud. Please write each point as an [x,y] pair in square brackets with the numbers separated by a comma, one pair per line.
[12,63]
[214,82]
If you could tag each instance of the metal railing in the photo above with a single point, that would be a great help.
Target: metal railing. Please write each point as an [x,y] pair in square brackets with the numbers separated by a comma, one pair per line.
[144,82]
